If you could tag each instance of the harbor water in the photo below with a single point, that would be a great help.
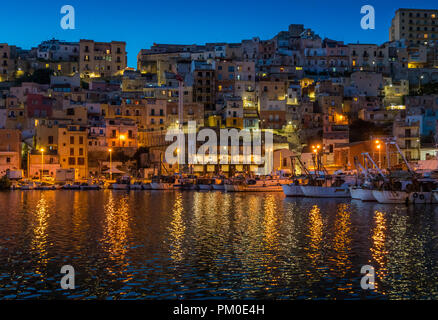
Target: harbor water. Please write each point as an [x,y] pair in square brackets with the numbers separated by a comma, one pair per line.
[204,245]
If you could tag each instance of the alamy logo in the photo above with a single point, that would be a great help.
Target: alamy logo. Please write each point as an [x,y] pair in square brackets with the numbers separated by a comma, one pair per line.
[228,151]
[368,280]
[368,20]
[68,281]
[68,21]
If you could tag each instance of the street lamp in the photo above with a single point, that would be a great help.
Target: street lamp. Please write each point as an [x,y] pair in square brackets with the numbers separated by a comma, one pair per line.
[111,160]
[42,163]
[380,160]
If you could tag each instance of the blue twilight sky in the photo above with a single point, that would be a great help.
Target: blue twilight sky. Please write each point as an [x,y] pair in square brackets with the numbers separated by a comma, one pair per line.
[142,22]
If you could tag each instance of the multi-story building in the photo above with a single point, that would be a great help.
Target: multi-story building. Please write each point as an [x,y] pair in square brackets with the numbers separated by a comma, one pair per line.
[407,135]
[10,150]
[73,149]
[7,62]
[57,50]
[204,87]
[101,59]
[417,26]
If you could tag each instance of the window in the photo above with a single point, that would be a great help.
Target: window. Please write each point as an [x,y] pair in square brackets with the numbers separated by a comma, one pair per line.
[81,140]
[81,161]
[81,151]
[72,151]
[71,161]
[72,140]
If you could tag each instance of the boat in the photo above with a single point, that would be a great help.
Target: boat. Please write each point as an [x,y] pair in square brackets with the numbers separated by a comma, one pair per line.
[218,184]
[391,197]
[326,187]
[90,186]
[205,184]
[71,186]
[253,185]
[292,190]
[162,183]
[362,193]
[45,186]
[122,183]
[146,186]
[136,186]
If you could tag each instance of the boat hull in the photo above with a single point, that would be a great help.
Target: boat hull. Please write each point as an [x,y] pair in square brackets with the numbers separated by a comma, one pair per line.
[362,194]
[218,187]
[161,186]
[391,197]
[325,192]
[204,187]
[118,186]
[421,197]
[291,190]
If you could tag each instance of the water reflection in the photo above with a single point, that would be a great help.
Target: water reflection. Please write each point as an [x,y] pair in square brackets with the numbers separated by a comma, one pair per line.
[39,242]
[213,245]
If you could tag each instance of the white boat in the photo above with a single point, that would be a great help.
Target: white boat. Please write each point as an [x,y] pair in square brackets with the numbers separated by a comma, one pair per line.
[384,196]
[135,186]
[326,192]
[146,186]
[292,190]
[363,194]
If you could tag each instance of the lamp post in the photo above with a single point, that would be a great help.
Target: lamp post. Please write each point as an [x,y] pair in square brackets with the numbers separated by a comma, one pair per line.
[380,160]
[42,163]
[111,167]
[177,161]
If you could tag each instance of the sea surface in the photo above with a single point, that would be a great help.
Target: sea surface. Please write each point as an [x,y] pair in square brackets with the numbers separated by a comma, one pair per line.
[213,245]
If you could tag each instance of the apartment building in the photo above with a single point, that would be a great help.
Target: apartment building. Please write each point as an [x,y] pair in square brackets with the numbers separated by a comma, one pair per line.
[416,26]
[7,63]
[73,149]
[101,59]
[10,150]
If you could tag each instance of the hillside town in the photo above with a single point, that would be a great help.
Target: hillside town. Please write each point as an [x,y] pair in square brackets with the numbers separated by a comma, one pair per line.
[76,108]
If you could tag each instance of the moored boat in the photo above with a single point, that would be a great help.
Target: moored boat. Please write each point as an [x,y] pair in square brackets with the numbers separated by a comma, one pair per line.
[391,197]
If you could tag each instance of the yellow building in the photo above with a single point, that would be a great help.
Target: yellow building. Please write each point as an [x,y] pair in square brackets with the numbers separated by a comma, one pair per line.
[73,150]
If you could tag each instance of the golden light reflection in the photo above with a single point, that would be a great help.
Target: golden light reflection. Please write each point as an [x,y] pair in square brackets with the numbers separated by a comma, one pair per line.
[177,230]
[342,238]
[117,228]
[378,251]
[40,232]
[316,232]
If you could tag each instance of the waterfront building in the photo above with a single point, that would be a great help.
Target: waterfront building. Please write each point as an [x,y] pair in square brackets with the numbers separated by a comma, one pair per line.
[10,150]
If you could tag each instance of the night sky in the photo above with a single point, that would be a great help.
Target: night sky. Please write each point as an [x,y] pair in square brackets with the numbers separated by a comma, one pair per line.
[141,22]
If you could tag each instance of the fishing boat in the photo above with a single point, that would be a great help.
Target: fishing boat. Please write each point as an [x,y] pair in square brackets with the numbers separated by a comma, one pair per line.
[136,186]
[71,186]
[162,183]
[362,193]
[90,185]
[391,197]
[146,186]
[219,184]
[253,185]
[205,184]
[122,183]
[326,187]
[292,190]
